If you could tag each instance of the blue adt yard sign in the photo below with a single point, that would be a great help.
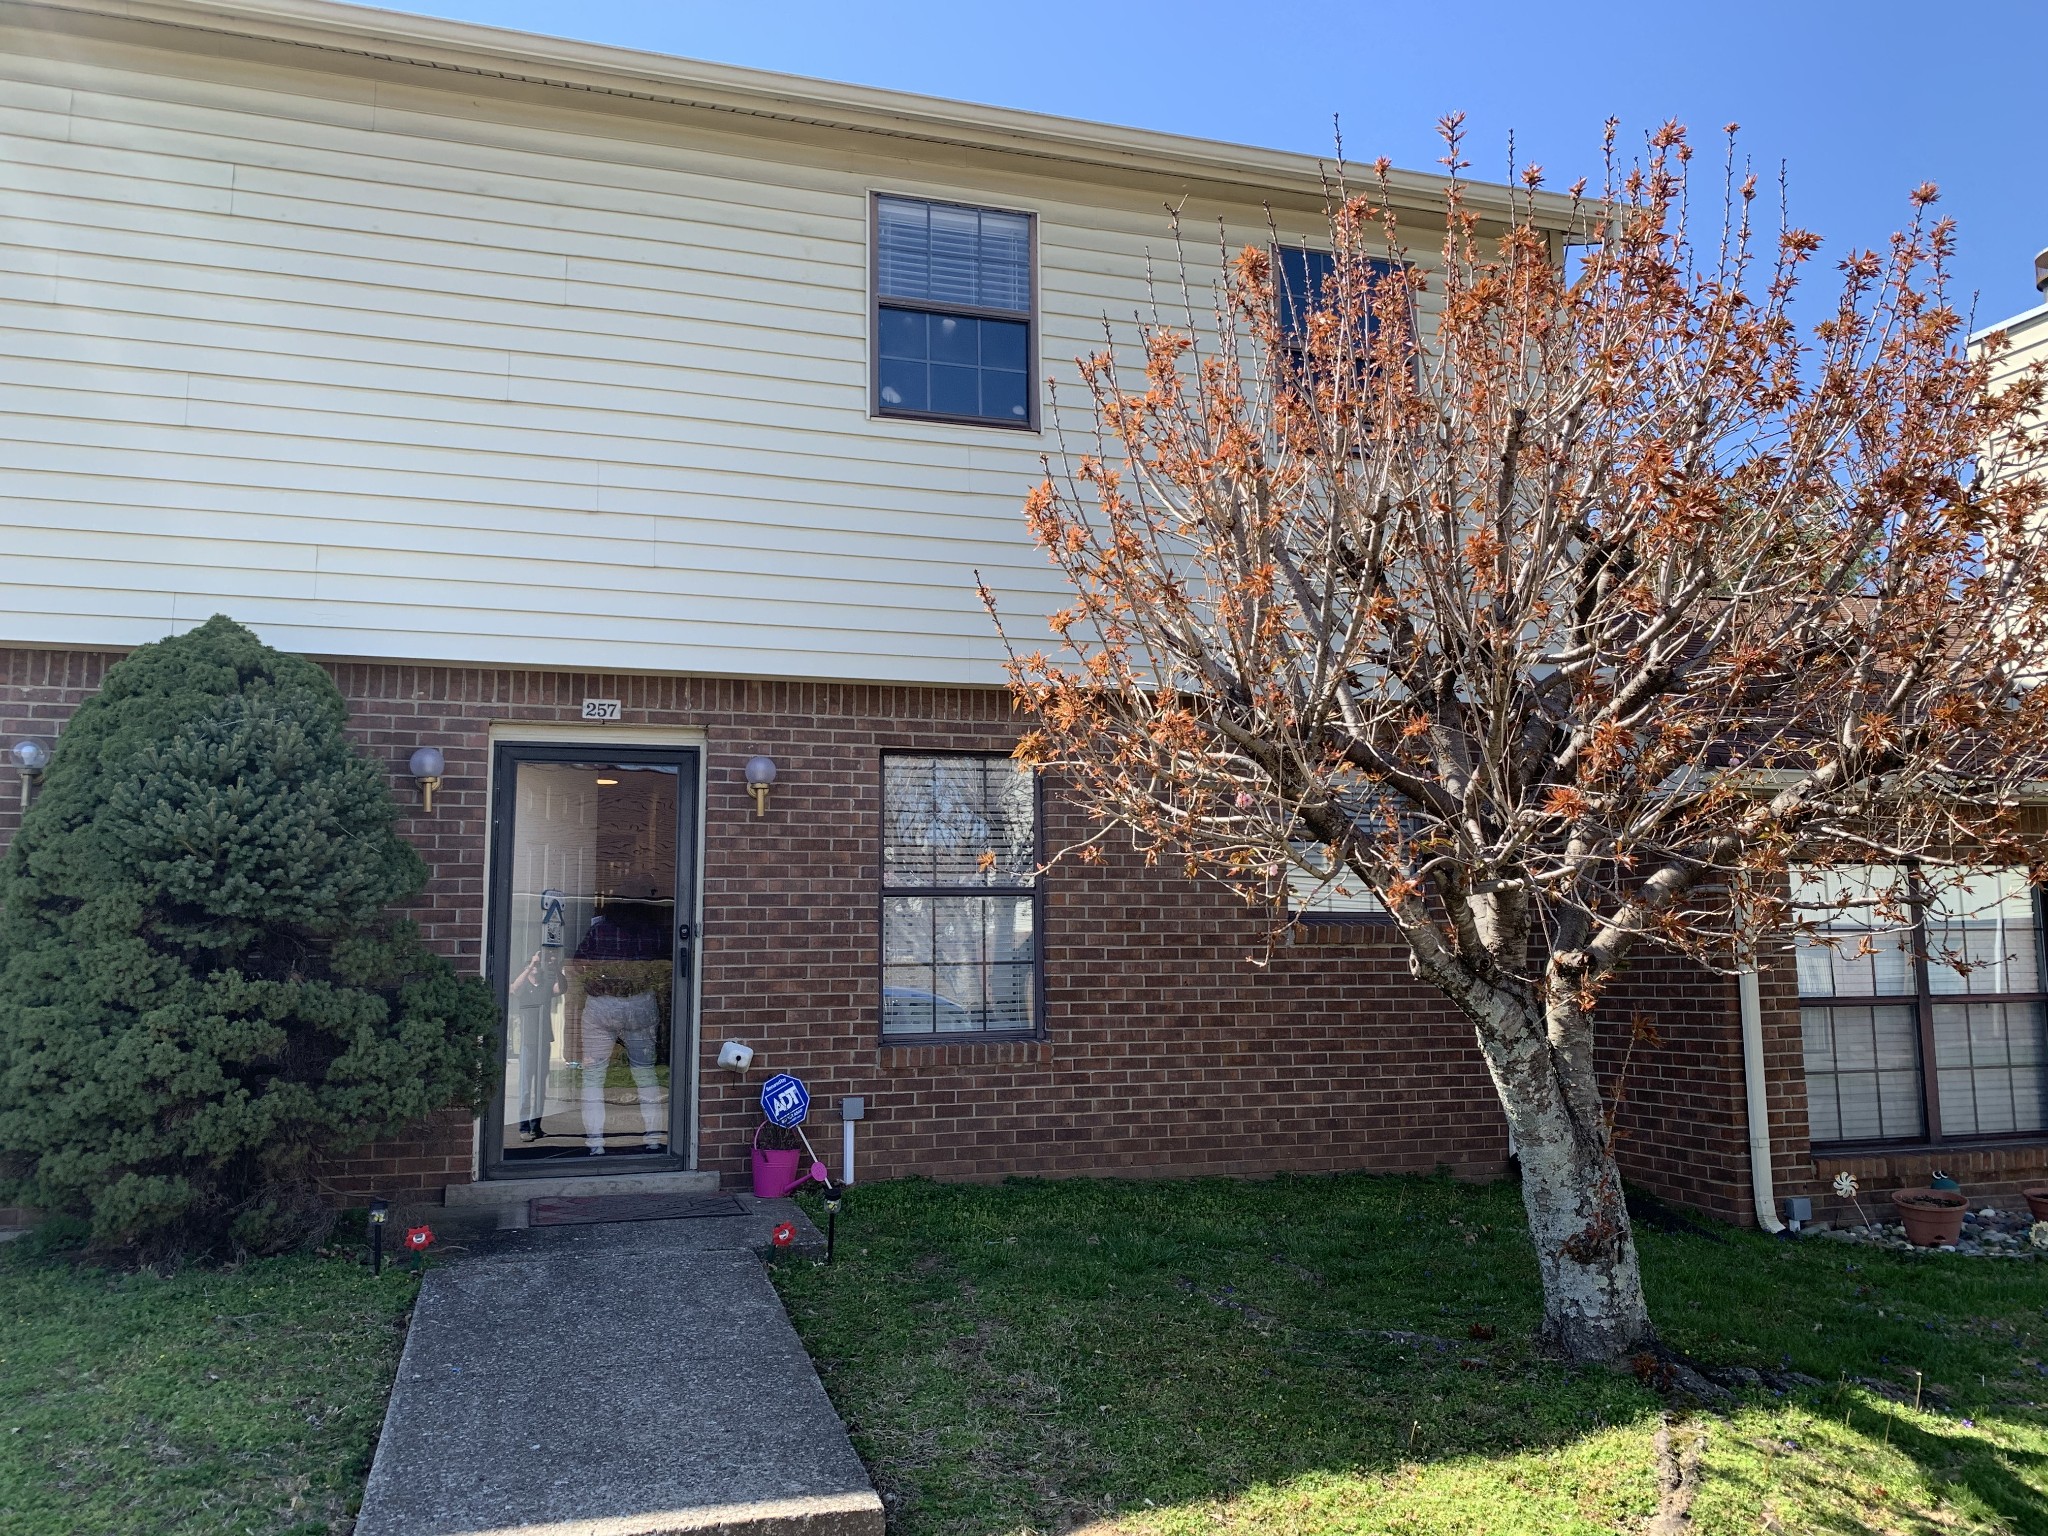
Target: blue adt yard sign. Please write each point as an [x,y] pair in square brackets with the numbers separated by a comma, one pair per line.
[785,1100]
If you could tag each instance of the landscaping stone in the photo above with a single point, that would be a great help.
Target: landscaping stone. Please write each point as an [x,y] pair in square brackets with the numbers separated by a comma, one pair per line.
[1987,1233]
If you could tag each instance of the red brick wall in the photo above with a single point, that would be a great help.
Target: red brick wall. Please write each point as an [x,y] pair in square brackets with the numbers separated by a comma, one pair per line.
[1180,1039]
[1682,1122]
[1677,1084]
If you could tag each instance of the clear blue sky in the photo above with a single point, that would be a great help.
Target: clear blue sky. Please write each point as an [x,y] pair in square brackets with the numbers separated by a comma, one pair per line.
[1861,102]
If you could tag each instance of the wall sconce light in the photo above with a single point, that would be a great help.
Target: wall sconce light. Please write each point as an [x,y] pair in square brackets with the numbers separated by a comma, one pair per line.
[760,775]
[31,757]
[427,763]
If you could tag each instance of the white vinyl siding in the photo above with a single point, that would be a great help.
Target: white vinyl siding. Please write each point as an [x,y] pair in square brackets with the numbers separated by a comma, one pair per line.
[391,373]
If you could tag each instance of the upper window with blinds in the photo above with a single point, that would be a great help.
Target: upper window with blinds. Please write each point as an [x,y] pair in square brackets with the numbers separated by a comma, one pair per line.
[953,321]
[1303,283]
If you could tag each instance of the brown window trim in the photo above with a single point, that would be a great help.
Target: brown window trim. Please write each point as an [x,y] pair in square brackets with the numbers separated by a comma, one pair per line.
[883,891]
[1295,347]
[877,302]
[1923,1002]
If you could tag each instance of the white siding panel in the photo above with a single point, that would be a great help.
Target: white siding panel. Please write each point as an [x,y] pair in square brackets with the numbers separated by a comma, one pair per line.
[132,405]
[389,374]
[125,165]
[25,367]
[150,81]
[327,324]
[288,356]
[94,450]
[120,610]
[26,287]
[26,123]
[19,175]
[681,231]
[126,565]
[47,104]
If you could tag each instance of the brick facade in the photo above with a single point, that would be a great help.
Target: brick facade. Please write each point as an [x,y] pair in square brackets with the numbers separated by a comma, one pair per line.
[1181,1037]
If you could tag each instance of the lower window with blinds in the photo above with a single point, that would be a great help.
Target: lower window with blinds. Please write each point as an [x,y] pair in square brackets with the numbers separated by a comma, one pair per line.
[1923,1015]
[960,897]
[1321,891]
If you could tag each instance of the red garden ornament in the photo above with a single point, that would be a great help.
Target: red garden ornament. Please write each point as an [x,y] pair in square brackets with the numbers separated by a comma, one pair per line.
[784,1235]
[419,1239]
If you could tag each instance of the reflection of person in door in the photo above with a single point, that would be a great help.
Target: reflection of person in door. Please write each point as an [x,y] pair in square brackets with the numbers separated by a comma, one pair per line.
[532,996]
[622,970]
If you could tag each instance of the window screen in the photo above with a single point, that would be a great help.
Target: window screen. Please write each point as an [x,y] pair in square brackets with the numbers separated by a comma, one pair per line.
[959,896]
[1983,941]
[1862,1073]
[1891,981]
[953,312]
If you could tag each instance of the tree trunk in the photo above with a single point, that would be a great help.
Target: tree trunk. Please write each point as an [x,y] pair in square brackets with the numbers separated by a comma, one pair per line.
[1593,1307]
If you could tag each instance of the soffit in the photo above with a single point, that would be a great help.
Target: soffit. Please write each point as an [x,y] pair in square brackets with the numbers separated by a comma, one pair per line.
[633,82]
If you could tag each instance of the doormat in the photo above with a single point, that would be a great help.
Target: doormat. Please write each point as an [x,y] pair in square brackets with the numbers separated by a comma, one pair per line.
[572,1210]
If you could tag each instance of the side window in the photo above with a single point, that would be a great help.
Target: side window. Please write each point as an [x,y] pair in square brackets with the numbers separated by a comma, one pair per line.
[959,897]
[953,323]
[1924,1015]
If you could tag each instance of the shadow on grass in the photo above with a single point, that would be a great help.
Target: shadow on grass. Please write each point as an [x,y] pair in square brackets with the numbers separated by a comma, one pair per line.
[1035,1355]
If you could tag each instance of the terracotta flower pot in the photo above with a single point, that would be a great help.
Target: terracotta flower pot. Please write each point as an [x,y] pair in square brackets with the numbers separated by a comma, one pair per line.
[1933,1217]
[2037,1201]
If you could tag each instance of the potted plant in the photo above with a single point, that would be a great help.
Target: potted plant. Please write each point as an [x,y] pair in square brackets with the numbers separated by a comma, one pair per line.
[1933,1217]
[2037,1201]
[777,1152]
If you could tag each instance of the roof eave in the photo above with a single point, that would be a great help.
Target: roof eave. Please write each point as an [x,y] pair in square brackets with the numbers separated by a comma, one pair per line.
[495,51]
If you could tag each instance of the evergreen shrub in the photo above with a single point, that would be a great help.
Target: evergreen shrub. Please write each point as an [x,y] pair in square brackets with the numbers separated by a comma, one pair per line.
[202,990]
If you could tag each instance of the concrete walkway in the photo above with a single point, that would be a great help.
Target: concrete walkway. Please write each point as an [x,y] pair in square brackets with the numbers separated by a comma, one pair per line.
[634,1379]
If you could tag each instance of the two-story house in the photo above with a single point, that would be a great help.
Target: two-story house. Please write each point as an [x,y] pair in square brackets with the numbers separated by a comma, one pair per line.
[625,435]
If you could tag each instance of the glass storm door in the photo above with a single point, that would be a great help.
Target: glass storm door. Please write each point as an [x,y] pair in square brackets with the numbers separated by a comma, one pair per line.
[593,869]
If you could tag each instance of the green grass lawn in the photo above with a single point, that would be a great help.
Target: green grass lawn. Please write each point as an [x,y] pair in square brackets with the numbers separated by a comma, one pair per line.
[1308,1356]
[211,1400]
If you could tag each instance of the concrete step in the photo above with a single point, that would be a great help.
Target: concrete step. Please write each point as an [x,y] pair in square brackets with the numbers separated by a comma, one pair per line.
[499,1193]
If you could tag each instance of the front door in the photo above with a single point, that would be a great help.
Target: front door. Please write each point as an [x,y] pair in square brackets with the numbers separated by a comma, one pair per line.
[593,869]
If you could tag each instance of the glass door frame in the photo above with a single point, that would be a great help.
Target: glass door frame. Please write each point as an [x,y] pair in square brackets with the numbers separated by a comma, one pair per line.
[688,760]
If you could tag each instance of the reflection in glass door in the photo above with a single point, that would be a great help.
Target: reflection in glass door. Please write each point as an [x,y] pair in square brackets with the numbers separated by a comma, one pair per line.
[591,935]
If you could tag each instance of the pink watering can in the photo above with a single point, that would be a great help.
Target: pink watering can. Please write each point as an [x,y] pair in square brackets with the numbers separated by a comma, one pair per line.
[775,1170]
[785,1101]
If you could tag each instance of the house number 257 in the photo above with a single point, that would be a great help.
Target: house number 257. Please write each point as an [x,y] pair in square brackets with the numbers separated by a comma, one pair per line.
[601,709]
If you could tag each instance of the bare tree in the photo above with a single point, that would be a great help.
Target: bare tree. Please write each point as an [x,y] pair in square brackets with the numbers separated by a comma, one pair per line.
[1566,607]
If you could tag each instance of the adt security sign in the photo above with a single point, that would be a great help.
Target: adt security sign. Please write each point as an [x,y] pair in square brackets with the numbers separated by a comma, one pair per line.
[785,1100]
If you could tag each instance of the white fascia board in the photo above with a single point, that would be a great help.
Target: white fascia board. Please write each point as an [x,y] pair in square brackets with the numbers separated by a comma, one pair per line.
[2025,320]
[598,68]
